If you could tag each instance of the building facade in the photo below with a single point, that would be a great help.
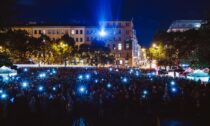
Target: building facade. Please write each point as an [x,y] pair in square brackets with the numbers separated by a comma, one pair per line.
[184,25]
[119,36]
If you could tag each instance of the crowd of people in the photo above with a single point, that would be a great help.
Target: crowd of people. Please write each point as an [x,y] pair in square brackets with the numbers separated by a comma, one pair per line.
[99,97]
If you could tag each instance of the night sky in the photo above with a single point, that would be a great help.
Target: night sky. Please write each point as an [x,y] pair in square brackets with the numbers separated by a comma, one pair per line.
[149,16]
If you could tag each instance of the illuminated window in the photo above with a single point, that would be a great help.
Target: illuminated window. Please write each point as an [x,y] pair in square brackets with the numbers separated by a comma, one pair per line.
[120,46]
[121,62]
[73,32]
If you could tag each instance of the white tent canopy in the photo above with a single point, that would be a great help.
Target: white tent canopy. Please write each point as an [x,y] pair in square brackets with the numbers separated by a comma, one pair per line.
[7,71]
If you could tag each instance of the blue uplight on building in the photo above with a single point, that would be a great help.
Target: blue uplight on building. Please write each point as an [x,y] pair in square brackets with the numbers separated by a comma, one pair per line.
[102,33]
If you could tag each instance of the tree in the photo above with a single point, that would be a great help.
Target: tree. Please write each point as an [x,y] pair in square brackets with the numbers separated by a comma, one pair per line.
[4,60]
[62,49]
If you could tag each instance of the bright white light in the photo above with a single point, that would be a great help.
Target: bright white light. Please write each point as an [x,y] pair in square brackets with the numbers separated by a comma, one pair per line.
[1,91]
[102,33]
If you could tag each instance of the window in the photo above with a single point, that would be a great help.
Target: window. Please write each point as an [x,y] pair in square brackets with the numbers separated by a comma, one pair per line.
[127,24]
[35,32]
[119,46]
[77,32]
[81,31]
[72,32]
[81,39]
[40,32]
[77,39]
[121,62]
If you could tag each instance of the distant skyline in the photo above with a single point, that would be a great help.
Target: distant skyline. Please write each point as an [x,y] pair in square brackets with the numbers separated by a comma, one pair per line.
[149,16]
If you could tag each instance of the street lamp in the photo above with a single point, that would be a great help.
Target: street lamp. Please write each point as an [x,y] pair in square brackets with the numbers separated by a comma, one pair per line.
[154,45]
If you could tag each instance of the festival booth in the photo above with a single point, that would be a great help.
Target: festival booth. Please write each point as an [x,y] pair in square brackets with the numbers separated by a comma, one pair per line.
[198,75]
[6,71]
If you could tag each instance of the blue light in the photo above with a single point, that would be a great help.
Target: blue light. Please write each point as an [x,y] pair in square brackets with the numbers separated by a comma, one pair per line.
[145,92]
[96,80]
[131,71]
[173,89]
[137,73]
[109,85]
[82,89]
[110,69]
[54,88]
[172,83]
[116,70]
[125,80]
[12,100]
[25,70]
[40,88]
[25,84]
[3,96]
[87,76]
[80,77]
[153,73]
[42,75]
[102,33]
[1,91]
